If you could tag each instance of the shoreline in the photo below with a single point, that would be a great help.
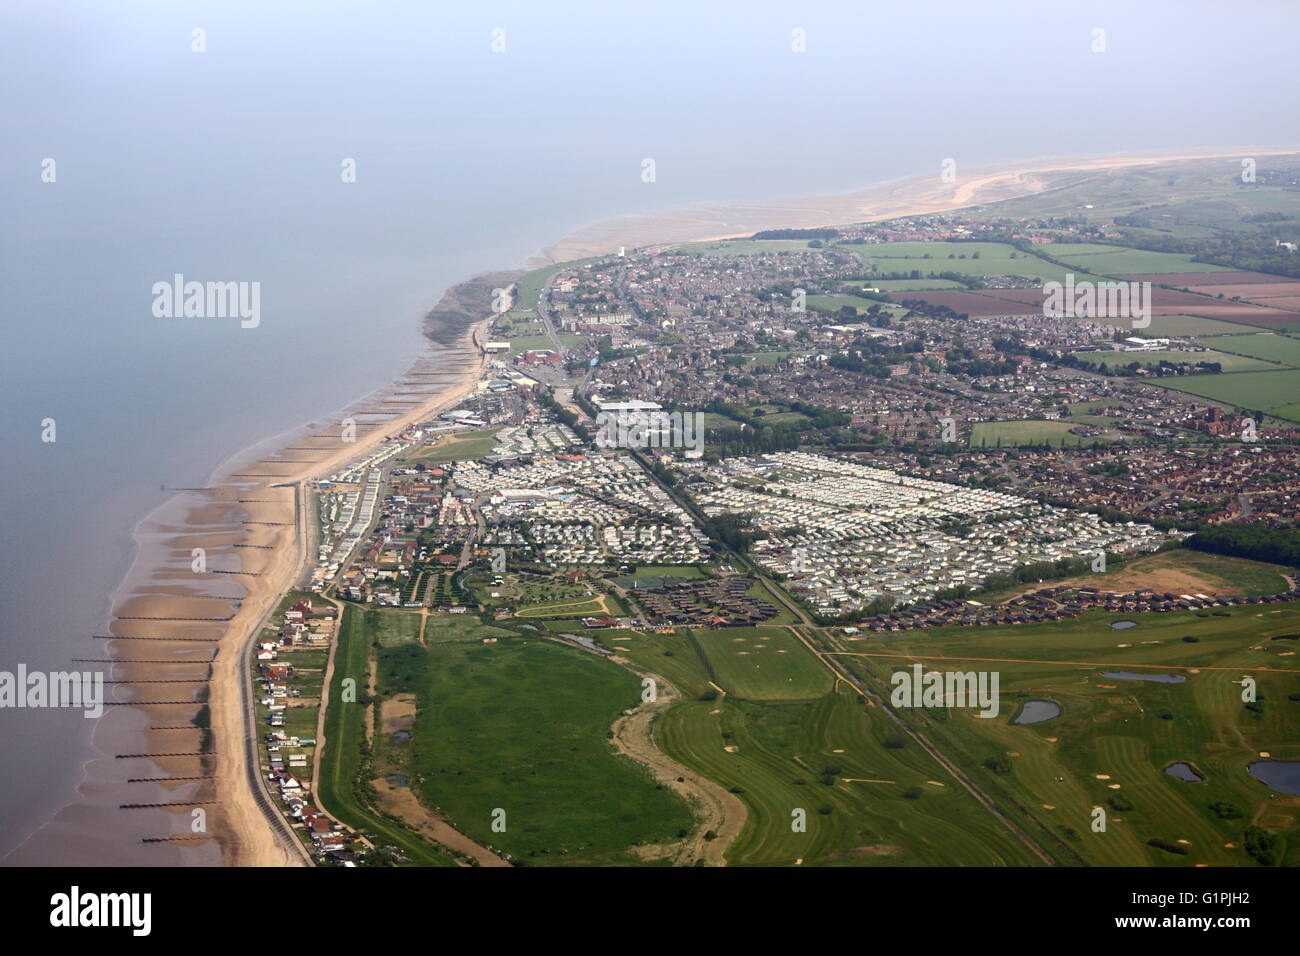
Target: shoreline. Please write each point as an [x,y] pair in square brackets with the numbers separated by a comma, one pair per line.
[262,485]
[200,628]
[250,841]
[903,197]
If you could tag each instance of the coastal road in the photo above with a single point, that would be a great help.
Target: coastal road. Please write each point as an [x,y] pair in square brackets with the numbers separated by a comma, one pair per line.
[545,316]
[249,728]
[252,759]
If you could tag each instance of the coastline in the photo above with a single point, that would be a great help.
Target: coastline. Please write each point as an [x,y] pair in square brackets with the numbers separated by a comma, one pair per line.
[249,840]
[249,517]
[908,196]
[198,628]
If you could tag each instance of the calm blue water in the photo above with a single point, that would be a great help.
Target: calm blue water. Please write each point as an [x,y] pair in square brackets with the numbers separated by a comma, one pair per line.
[1153,678]
[1184,771]
[1037,711]
[1281,775]
[224,165]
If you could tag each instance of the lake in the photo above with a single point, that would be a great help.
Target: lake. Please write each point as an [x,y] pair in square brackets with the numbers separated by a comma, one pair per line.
[1280,775]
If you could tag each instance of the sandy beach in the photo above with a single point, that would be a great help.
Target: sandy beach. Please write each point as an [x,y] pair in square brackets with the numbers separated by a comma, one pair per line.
[188,626]
[914,196]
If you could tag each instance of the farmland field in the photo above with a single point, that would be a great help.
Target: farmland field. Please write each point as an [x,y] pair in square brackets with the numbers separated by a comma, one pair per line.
[1262,291]
[1274,392]
[911,285]
[1271,347]
[1168,326]
[1196,280]
[1116,260]
[1230,363]
[1163,302]
[981,259]
[977,303]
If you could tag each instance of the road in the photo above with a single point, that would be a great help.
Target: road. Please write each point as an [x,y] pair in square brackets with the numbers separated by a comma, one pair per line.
[252,752]
[545,316]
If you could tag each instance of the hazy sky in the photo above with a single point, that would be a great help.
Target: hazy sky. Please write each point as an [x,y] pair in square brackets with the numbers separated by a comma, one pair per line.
[711,90]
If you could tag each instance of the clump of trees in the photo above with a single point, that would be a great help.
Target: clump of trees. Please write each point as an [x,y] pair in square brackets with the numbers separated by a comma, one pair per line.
[1257,542]
[1261,846]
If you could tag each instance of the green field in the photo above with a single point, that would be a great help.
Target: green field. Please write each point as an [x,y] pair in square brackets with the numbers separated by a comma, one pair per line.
[528,288]
[762,663]
[458,628]
[911,285]
[1128,731]
[1175,326]
[521,726]
[569,608]
[461,446]
[1275,392]
[652,575]
[520,344]
[1011,434]
[1118,260]
[1230,363]
[1267,346]
[831,304]
[393,627]
[343,766]
[994,259]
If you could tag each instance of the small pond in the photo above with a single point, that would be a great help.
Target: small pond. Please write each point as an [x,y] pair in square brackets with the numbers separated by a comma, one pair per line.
[1184,771]
[1154,678]
[1123,625]
[1036,711]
